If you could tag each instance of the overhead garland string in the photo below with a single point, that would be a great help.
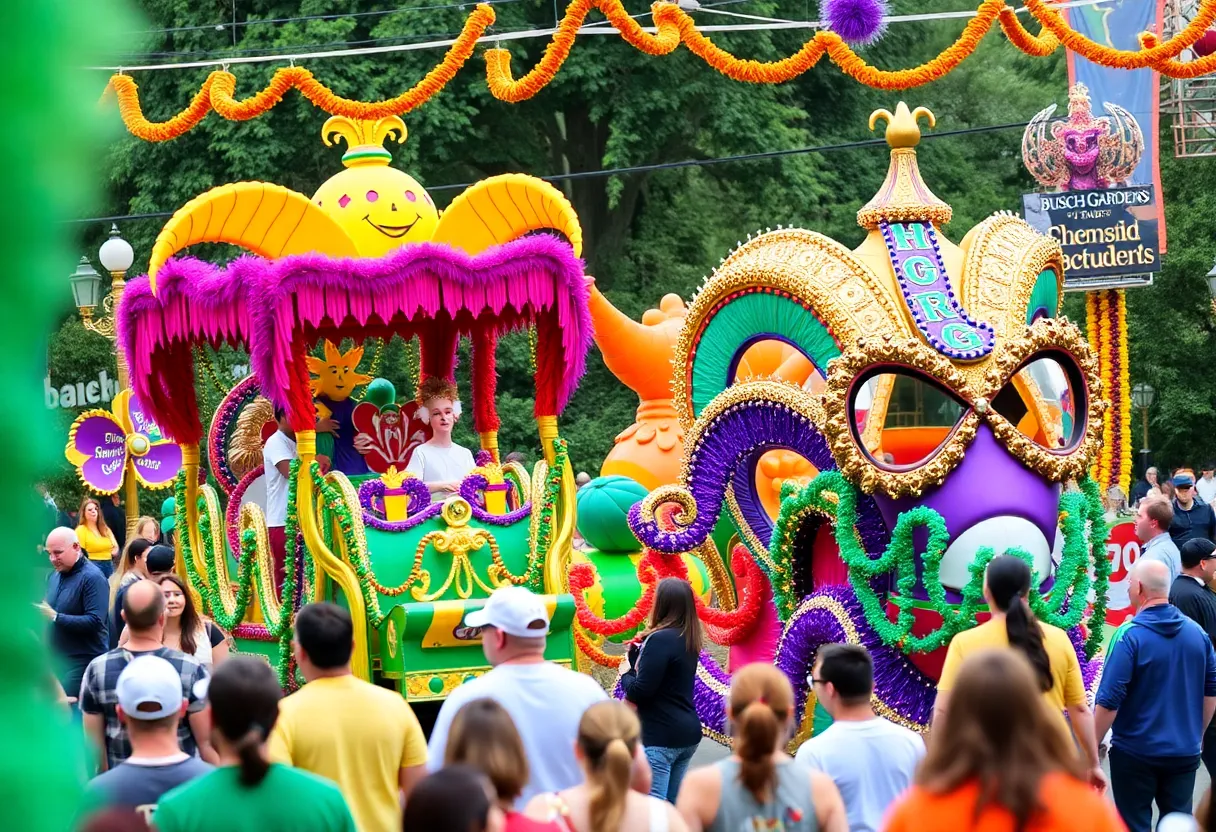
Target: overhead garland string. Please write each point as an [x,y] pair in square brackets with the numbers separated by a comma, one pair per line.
[673,26]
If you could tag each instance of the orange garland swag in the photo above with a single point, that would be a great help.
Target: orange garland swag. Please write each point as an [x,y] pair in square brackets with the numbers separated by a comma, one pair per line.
[217,92]
[674,26]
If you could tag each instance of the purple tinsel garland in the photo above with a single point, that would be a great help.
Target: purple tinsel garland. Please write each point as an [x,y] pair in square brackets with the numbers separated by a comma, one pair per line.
[221,425]
[421,508]
[727,455]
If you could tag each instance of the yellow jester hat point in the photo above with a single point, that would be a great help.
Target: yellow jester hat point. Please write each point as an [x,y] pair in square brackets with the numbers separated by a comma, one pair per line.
[366,210]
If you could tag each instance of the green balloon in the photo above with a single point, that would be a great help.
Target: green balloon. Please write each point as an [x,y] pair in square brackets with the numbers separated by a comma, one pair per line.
[168,524]
[381,393]
[603,511]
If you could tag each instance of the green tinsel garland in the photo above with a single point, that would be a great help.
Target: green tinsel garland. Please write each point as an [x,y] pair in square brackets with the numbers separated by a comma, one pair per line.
[1065,608]
[280,627]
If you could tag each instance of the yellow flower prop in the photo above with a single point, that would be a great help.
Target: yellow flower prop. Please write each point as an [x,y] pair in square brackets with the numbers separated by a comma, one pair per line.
[674,26]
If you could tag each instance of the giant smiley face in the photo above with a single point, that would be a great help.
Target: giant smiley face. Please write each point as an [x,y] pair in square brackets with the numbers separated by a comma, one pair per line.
[379,207]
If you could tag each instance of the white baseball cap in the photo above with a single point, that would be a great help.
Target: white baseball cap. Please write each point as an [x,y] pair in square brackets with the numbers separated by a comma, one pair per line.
[515,611]
[149,688]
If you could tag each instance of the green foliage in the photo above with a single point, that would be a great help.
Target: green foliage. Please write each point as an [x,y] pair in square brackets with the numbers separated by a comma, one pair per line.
[648,233]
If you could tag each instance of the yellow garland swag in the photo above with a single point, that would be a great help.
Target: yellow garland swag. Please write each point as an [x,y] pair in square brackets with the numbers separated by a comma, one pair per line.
[1106,326]
[674,26]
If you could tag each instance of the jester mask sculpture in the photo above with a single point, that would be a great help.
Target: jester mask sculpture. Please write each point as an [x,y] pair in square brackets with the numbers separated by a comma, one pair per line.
[1082,152]
[957,420]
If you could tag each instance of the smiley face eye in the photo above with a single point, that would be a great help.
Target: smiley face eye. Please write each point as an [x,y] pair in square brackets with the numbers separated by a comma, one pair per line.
[411,196]
[372,196]
[343,201]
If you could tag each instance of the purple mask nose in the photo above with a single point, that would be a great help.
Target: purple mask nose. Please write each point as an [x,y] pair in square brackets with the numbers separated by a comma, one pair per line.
[989,482]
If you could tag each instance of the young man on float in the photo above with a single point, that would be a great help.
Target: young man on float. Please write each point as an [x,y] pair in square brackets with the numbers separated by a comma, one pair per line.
[439,462]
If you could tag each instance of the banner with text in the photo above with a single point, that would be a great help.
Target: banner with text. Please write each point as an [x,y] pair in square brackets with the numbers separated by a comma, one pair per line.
[1110,237]
[1118,24]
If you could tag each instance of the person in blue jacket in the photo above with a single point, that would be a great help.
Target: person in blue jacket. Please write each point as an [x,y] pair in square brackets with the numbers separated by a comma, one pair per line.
[76,602]
[1158,694]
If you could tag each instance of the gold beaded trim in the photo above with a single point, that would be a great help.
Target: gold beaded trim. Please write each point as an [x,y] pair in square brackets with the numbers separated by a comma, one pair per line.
[1044,335]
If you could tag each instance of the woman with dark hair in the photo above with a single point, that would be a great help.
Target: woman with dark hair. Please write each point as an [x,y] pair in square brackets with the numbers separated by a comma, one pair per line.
[186,630]
[760,786]
[484,736]
[248,793]
[658,678]
[998,761]
[455,799]
[1048,649]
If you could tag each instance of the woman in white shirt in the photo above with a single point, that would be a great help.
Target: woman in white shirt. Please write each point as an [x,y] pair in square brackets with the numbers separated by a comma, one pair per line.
[439,462]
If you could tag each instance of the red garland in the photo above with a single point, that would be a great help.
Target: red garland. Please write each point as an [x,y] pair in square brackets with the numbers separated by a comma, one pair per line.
[725,628]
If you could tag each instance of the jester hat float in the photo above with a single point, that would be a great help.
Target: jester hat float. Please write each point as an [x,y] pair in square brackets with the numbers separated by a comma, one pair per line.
[950,416]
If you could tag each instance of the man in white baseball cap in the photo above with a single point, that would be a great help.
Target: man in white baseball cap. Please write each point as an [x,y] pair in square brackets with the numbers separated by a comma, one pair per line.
[150,705]
[545,700]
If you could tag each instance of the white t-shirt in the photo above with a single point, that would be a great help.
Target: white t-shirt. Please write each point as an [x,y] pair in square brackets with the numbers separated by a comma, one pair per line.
[431,463]
[546,702]
[872,763]
[278,447]
[1206,489]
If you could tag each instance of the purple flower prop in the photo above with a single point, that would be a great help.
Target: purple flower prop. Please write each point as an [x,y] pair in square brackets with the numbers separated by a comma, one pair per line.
[859,22]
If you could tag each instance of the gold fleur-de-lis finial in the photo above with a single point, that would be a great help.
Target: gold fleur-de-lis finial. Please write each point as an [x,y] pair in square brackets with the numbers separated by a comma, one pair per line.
[364,139]
[902,127]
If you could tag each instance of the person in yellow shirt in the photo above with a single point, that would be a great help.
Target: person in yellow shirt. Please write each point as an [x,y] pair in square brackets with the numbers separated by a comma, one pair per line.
[363,737]
[1049,649]
[95,537]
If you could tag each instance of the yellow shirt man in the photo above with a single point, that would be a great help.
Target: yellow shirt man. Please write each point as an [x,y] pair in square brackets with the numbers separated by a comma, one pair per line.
[357,734]
[1068,686]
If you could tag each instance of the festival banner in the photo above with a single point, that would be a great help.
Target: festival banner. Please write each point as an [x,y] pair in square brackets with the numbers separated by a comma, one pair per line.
[1110,237]
[1118,24]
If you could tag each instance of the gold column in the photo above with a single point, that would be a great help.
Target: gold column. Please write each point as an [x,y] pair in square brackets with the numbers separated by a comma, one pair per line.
[130,486]
[489,442]
[547,427]
[190,463]
[341,573]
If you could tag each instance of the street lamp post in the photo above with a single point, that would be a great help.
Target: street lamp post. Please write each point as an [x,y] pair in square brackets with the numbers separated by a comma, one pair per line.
[1142,398]
[1211,276]
[116,257]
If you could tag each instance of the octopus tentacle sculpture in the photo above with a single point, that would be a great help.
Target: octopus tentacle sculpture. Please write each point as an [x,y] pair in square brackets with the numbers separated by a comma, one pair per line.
[954,415]
[1082,152]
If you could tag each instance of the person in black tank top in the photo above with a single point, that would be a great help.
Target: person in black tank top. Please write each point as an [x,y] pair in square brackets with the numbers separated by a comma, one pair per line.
[658,678]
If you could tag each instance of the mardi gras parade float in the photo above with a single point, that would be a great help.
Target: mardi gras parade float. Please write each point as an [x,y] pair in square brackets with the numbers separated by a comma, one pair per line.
[367,257]
[917,405]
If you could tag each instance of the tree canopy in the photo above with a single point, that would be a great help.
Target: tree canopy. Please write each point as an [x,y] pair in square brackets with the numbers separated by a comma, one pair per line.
[655,231]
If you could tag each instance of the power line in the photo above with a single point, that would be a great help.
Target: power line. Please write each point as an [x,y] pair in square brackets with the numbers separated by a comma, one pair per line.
[233,24]
[770,24]
[635,169]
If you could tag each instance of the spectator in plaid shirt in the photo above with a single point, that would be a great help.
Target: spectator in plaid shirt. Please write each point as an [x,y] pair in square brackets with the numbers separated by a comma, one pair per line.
[143,609]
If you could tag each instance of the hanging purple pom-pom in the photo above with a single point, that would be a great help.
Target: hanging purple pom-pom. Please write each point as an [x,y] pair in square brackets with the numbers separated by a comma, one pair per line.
[856,21]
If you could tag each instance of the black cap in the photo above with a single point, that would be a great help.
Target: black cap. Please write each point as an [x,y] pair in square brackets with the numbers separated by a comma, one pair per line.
[1195,550]
[161,558]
